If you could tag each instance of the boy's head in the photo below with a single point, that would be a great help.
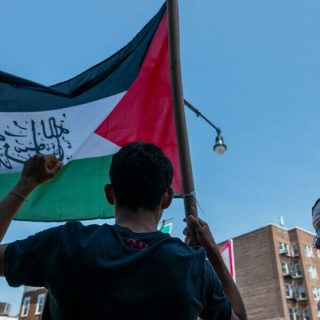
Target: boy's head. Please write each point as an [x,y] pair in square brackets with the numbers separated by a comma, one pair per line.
[140,175]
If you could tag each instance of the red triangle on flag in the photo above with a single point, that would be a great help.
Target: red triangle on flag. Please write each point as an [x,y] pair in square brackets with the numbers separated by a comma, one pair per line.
[145,113]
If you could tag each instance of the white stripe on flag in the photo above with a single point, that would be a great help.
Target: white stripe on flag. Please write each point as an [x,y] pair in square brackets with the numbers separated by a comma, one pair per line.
[65,132]
[96,146]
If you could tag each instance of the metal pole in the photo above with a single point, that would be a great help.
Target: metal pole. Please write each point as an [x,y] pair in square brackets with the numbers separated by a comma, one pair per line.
[199,114]
[190,204]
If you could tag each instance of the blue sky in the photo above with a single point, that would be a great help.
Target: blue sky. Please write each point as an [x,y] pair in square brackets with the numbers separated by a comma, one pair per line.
[252,67]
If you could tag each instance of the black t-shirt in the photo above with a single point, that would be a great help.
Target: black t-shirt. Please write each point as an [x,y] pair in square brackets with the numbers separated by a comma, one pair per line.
[110,272]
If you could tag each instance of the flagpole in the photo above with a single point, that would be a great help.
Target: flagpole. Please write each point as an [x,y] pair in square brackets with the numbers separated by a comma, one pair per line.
[190,203]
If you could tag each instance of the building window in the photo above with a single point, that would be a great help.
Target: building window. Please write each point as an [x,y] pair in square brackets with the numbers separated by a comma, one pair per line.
[315,293]
[308,251]
[298,270]
[284,248]
[25,306]
[285,268]
[293,313]
[313,272]
[289,290]
[302,293]
[306,314]
[295,250]
[40,303]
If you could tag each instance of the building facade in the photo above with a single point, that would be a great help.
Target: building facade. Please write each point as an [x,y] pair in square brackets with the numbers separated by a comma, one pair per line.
[5,311]
[277,272]
[32,305]
[4,308]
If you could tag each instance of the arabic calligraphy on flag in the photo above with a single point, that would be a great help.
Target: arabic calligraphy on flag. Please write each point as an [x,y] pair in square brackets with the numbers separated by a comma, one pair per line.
[21,139]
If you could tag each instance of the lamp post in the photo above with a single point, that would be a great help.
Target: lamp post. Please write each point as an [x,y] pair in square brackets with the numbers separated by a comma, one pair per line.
[219,147]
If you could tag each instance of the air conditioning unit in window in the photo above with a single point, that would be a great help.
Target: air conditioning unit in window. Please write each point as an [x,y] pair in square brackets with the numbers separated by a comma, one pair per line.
[4,308]
[298,275]
[286,273]
[283,251]
[292,296]
[299,298]
[289,253]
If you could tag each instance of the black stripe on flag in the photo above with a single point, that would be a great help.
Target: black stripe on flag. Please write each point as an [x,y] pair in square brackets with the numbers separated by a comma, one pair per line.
[109,77]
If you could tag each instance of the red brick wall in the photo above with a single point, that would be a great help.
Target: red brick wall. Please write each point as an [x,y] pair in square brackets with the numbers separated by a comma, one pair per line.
[33,304]
[257,274]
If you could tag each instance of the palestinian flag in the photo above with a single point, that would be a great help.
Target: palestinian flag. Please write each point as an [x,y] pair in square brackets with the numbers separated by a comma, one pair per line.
[84,121]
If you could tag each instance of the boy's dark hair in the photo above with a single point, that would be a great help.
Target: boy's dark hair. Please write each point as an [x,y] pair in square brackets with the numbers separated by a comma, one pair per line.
[140,174]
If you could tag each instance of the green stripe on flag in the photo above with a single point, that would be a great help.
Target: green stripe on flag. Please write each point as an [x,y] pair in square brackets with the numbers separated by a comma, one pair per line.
[80,184]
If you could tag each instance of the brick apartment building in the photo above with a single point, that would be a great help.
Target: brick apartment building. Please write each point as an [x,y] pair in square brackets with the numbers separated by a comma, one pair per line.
[277,273]
[32,304]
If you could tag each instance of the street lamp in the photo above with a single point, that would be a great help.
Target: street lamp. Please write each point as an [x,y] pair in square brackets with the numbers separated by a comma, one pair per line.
[219,146]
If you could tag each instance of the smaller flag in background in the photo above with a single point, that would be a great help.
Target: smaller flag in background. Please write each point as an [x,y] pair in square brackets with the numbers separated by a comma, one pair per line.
[226,251]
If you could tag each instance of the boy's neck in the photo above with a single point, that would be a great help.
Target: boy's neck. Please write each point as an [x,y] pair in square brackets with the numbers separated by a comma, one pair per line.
[139,221]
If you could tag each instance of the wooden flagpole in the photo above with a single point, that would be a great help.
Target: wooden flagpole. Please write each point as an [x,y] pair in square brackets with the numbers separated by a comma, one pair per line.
[189,197]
